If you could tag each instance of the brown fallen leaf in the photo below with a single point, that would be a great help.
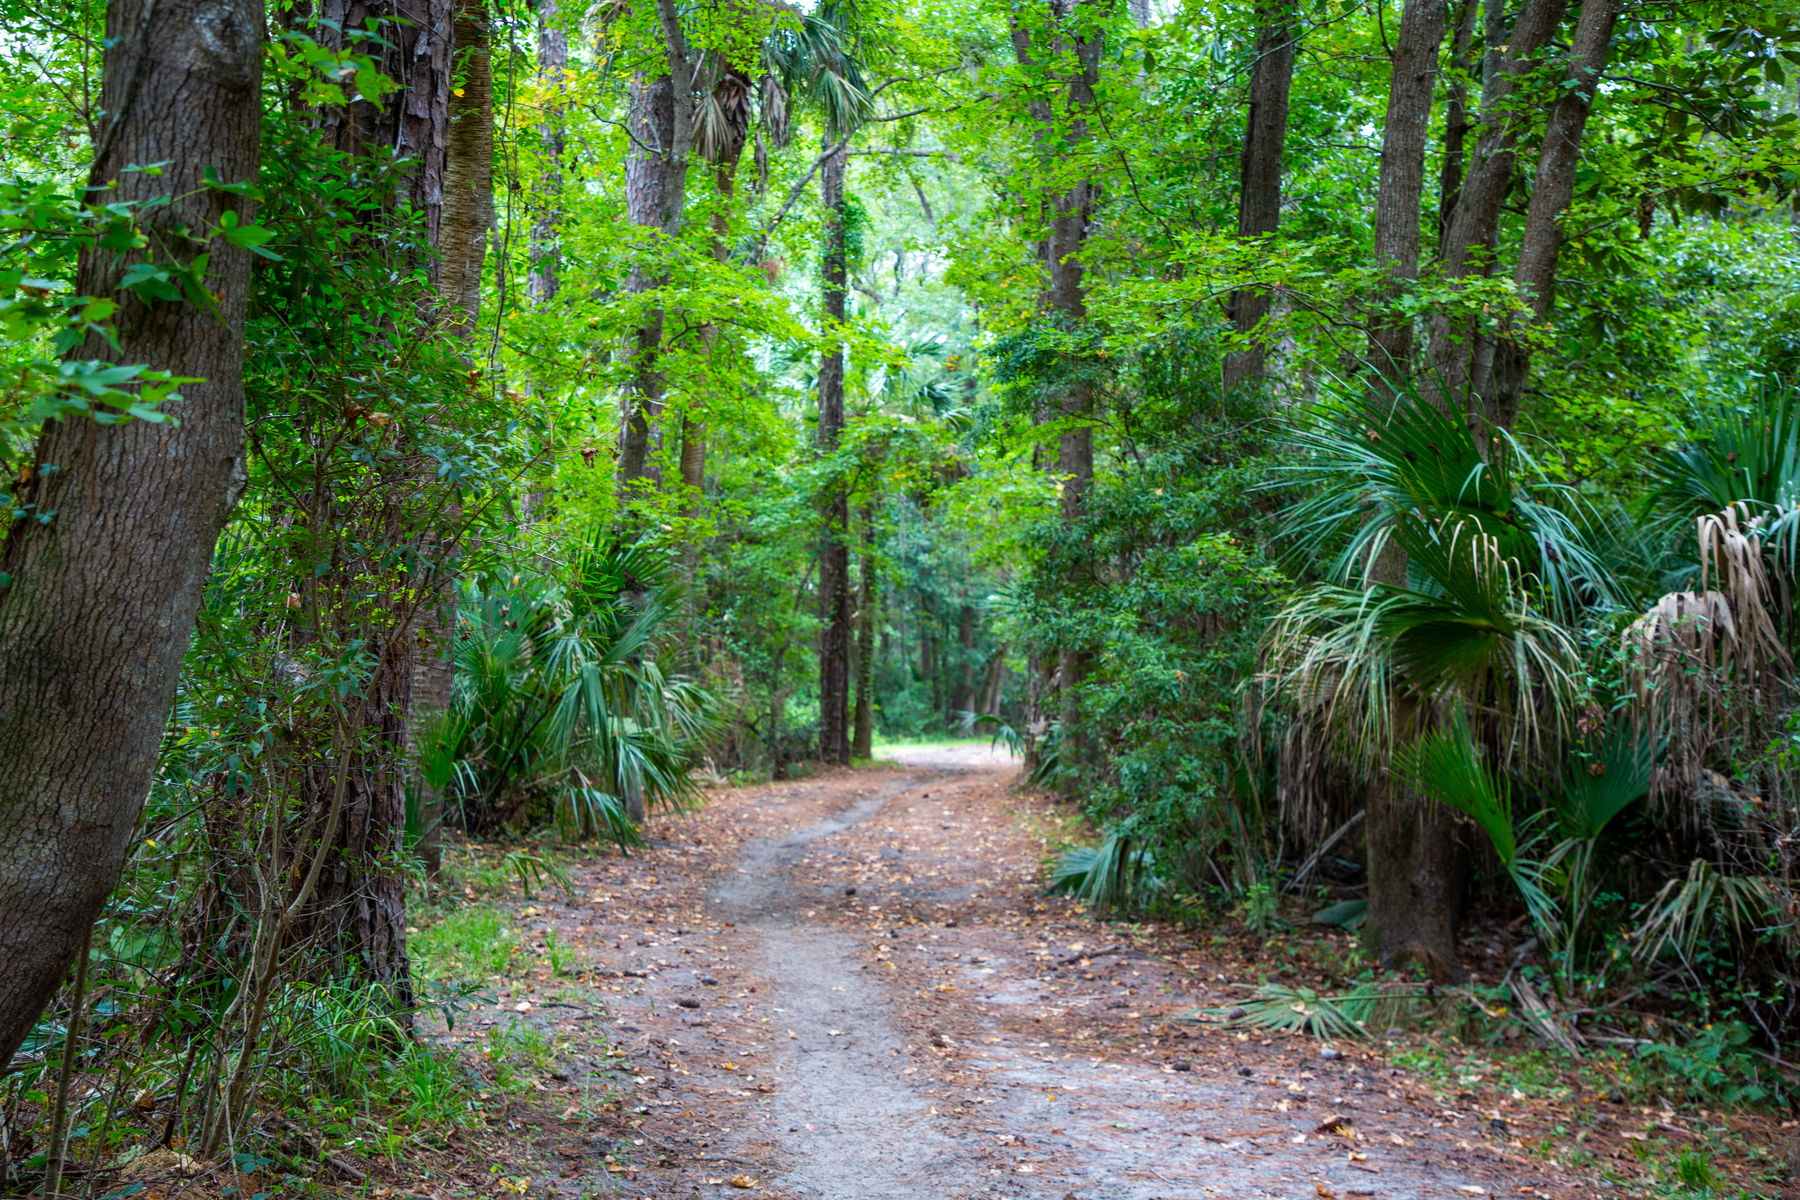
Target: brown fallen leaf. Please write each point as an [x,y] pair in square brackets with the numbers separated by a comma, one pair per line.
[742,1181]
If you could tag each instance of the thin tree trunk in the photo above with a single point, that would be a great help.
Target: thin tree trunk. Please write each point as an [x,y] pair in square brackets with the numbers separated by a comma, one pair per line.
[1535,275]
[862,738]
[463,229]
[1066,36]
[989,704]
[1401,182]
[1471,238]
[965,679]
[834,550]
[100,599]
[662,124]
[468,212]
[1259,177]
[541,280]
[1456,116]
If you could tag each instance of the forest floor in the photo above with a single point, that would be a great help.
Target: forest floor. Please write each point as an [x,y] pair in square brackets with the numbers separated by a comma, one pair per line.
[852,986]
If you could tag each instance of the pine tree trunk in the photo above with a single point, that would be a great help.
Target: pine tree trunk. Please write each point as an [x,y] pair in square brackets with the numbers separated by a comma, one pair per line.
[359,913]
[1400,184]
[834,550]
[100,600]
[1259,179]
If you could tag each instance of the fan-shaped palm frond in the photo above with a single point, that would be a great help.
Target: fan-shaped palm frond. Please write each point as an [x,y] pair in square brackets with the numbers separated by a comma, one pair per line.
[816,58]
[1371,461]
[559,699]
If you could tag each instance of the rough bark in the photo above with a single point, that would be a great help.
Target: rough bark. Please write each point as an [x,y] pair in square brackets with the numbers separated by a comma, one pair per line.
[414,121]
[1259,174]
[96,615]
[468,211]
[649,181]
[834,549]
[1471,238]
[1401,181]
[1413,881]
[1535,275]
[541,280]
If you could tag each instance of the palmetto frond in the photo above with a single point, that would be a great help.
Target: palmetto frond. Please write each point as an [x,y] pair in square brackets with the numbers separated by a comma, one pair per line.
[559,697]
[817,59]
[1372,460]
[1342,653]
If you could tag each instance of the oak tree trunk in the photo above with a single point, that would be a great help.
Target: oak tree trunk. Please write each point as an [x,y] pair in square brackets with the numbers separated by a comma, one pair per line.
[1535,276]
[1259,176]
[1472,236]
[1401,181]
[100,598]
[1069,35]
[661,120]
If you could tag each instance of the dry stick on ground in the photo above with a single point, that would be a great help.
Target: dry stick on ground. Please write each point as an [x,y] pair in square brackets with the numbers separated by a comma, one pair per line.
[59,1119]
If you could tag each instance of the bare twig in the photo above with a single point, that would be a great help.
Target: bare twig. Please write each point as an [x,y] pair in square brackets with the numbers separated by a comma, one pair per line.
[59,1119]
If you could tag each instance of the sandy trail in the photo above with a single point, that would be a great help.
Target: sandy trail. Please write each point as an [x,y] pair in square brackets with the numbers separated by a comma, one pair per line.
[849,987]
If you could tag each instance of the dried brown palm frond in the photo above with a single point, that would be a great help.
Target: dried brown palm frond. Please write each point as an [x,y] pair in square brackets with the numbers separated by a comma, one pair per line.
[1706,899]
[1706,667]
[723,121]
[1364,669]
[775,111]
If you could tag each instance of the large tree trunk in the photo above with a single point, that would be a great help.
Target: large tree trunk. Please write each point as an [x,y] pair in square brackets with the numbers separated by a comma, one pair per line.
[359,907]
[1535,275]
[415,51]
[1401,180]
[100,599]
[834,549]
[1471,237]
[1414,881]
[1411,842]
[1259,175]
[463,228]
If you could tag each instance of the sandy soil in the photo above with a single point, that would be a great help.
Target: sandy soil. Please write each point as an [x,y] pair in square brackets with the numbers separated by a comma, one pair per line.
[851,986]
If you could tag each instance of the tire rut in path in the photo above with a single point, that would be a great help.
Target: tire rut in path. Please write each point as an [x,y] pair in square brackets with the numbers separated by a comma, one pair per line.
[856,1130]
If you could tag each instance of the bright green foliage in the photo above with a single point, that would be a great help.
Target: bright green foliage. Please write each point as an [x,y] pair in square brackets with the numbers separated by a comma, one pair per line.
[561,709]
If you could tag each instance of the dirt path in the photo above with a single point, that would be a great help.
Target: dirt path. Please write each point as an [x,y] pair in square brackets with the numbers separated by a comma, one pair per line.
[850,987]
